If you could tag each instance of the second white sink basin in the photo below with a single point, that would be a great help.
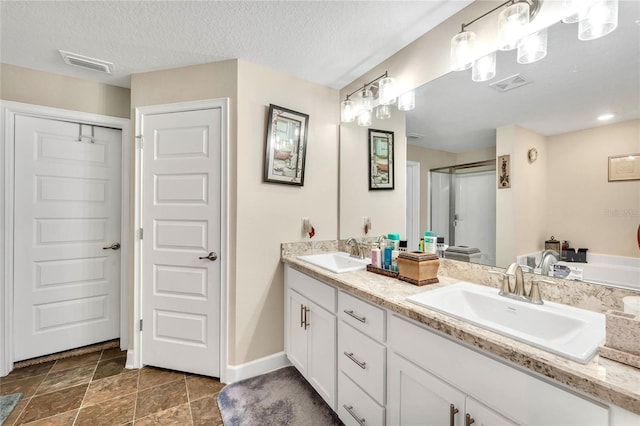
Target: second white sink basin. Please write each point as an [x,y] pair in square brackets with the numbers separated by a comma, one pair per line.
[337,262]
[564,330]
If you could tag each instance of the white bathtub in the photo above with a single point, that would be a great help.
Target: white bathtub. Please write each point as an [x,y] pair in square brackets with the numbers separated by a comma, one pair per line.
[603,268]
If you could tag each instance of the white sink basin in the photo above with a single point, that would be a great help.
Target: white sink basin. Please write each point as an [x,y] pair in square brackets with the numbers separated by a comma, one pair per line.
[564,330]
[337,262]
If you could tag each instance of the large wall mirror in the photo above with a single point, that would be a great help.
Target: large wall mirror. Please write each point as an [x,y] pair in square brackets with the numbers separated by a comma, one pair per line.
[545,120]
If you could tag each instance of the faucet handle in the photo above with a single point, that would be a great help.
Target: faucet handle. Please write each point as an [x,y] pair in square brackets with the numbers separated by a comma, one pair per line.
[534,293]
[506,287]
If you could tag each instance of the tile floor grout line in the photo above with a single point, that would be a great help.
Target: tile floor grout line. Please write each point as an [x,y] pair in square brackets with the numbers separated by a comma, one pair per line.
[186,385]
[86,391]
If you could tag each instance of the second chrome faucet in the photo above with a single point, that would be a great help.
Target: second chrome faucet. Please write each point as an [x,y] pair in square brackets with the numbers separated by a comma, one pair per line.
[518,292]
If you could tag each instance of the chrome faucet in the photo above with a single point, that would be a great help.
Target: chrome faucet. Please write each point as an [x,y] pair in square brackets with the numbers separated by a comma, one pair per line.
[548,259]
[518,292]
[353,242]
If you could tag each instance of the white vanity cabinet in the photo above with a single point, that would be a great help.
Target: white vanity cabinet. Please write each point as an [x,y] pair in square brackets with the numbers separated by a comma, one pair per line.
[361,361]
[310,331]
[427,373]
[417,397]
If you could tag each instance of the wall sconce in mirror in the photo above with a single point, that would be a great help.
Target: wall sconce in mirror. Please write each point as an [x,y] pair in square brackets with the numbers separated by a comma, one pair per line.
[595,18]
[379,94]
[286,146]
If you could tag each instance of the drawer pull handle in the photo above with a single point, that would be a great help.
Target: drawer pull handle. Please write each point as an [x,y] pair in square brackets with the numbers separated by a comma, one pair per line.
[361,364]
[306,318]
[301,316]
[452,412]
[349,409]
[356,316]
[468,420]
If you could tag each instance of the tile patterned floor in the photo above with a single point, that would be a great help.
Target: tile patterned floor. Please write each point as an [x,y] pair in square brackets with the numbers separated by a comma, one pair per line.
[95,389]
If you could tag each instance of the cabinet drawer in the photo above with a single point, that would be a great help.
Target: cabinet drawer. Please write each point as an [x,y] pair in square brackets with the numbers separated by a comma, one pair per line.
[363,360]
[320,293]
[363,316]
[356,408]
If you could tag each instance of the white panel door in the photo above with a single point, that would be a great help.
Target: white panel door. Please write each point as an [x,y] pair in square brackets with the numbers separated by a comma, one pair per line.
[67,209]
[181,222]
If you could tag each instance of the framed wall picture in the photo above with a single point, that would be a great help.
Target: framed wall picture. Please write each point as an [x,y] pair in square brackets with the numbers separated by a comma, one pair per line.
[381,170]
[504,171]
[286,146]
[624,167]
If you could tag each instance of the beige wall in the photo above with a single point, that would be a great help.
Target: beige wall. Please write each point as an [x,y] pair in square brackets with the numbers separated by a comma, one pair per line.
[385,208]
[198,82]
[29,86]
[521,209]
[583,206]
[269,214]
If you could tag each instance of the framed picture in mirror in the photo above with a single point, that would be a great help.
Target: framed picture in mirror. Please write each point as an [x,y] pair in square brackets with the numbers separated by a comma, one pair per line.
[624,167]
[504,171]
[286,146]
[381,170]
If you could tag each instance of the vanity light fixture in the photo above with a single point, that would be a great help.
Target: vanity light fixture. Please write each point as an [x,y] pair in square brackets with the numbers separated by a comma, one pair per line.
[484,69]
[381,90]
[533,47]
[512,21]
[597,19]
[407,101]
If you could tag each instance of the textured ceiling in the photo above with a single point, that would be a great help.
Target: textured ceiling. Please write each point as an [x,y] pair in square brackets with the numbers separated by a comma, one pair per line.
[327,42]
[568,89]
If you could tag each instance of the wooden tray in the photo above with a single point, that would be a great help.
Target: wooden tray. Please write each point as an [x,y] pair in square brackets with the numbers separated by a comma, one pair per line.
[385,272]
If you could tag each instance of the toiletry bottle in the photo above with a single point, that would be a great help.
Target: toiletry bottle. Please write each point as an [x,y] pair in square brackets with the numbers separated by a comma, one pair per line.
[375,257]
[440,247]
[430,241]
[421,245]
[388,250]
[395,240]
[394,260]
[403,245]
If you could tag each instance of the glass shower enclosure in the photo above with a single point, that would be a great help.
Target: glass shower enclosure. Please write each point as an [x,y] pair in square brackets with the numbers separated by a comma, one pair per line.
[463,206]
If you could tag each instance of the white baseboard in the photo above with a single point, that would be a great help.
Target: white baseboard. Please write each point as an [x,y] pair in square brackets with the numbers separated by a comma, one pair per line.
[131,360]
[256,367]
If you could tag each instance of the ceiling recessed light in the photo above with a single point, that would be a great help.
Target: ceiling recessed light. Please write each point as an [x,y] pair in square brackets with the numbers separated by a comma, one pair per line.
[605,117]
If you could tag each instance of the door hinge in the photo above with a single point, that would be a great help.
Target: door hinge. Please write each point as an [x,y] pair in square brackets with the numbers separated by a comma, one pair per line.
[141,233]
[140,325]
[140,139]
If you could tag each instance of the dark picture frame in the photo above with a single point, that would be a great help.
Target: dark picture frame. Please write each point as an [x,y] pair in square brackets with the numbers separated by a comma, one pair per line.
[504,171]
[381,160]
[286,146]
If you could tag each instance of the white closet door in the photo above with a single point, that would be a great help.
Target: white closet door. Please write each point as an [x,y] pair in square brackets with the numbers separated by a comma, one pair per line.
[67,209]
[181,222]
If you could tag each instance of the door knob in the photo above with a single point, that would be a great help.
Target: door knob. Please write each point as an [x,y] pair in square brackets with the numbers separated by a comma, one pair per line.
[212,256]
[114,246]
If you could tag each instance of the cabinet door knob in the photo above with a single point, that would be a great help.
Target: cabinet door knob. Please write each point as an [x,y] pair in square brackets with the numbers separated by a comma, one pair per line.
[452,413]
[468,420]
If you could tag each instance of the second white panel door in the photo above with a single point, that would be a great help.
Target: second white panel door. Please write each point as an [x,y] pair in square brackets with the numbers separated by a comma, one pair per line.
[181,240]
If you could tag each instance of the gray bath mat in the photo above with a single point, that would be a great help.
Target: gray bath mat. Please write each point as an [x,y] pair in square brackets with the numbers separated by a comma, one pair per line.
[282,397]
[7,404]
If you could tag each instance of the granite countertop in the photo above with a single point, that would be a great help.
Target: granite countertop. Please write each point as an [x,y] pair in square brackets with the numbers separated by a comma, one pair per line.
[609,381]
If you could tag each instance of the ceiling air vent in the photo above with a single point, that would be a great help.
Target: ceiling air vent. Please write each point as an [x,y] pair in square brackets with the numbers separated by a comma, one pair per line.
[510,83]
[414,136]
[86,62]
